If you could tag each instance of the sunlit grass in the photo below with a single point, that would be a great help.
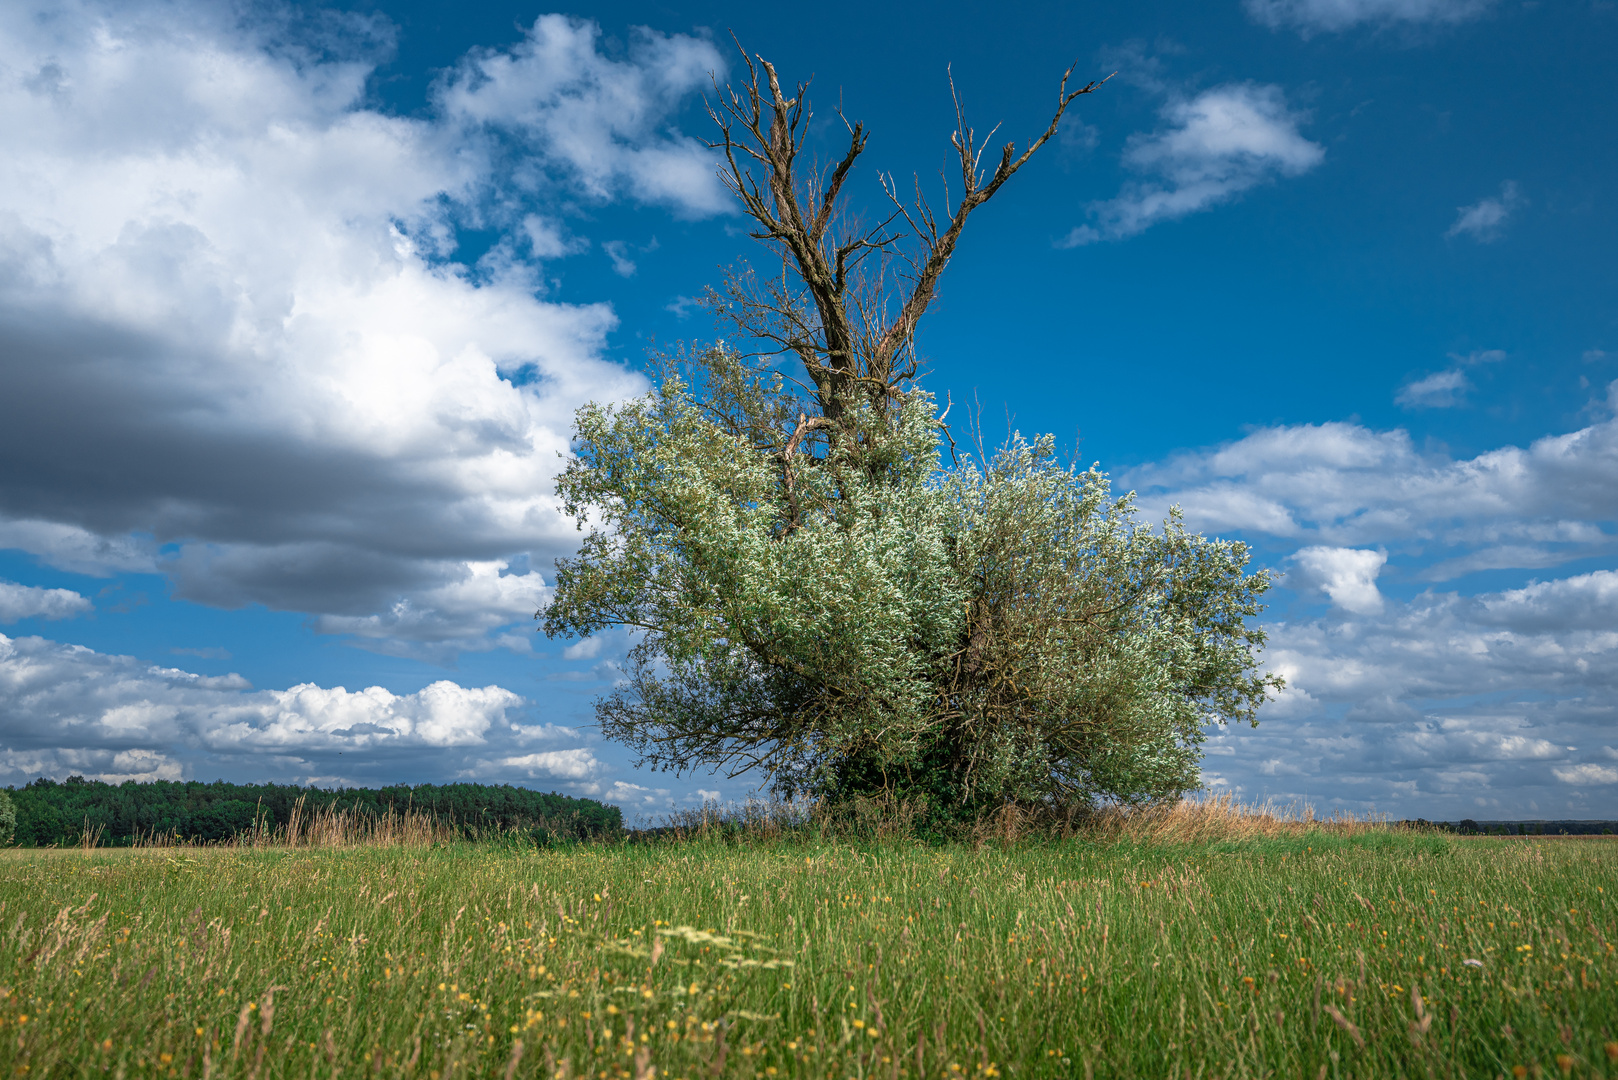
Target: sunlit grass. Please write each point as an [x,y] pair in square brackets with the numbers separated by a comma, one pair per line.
[1300,952]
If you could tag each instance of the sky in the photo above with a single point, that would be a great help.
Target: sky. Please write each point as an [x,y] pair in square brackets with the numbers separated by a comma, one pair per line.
[297,303]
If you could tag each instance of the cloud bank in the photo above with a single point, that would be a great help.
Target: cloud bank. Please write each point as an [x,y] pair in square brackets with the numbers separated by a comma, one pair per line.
[235,343]
[1345,485]
[1434,701]
[1450,706]
[65,709]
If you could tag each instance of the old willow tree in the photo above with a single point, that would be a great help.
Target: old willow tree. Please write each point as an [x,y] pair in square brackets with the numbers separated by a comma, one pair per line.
[815,595]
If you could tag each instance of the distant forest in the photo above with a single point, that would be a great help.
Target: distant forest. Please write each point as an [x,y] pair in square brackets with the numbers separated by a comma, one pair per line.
[1530,828]
[49,812]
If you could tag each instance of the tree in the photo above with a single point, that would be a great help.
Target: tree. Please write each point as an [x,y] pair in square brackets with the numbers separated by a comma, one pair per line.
[818,597]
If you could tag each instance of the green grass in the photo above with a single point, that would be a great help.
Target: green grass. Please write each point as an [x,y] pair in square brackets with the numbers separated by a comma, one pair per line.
[816,960]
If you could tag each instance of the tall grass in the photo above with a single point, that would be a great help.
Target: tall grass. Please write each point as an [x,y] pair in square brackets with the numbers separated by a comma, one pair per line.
[330,827]
[1296,949]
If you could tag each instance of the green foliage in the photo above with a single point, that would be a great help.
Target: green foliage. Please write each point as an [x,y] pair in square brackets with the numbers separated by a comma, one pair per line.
[47,812]
[8,819]
[828,603]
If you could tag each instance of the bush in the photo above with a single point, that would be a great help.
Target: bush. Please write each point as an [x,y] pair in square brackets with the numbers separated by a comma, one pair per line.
[863,621]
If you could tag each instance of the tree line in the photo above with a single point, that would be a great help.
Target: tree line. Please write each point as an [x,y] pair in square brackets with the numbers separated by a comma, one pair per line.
[51,812]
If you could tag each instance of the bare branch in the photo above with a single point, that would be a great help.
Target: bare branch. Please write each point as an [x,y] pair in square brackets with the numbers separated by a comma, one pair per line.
[853,333]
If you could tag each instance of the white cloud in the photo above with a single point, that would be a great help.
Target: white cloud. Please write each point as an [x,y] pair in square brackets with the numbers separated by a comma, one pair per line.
[622,264]
[66,708]
[31,602]
[1309,16]
[625,794]
[1345,485]
[545,733]
[603,121]
[1213,147]
[681,306]
[636,796]
[234,348]
[111,767]
[1445,389]
[1499,557]
[71,697]
[1347,575]
[69,547]
[1583,602]
[1425,703]
[584,649]
[1582,775]
[1441,390]
[578,764]
[457,615]
[548,239]
[1485,220]
[141,766]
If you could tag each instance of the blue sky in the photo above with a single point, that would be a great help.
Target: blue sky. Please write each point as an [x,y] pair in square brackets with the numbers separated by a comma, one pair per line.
[296,304]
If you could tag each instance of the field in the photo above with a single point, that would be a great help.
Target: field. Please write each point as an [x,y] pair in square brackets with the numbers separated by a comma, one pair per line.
[1314,953]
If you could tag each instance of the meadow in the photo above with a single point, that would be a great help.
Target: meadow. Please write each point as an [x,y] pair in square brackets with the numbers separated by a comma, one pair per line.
[1311,952]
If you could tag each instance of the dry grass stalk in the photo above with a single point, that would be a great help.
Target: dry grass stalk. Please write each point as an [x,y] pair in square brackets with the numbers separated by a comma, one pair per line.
[1209,819]
[331,827]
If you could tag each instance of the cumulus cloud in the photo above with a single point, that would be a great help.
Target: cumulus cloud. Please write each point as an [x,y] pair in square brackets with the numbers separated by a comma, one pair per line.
[65,709]
[577,764]
[1485,220]
[1436,702]
[31,602]
[1312,16]
[73,697]
[1347,575]
[1444,645]
[464,613]
[236,346]
[1446,705]
[633,796]
[1583,775]
[1212,148]
[603,122]
[1345,485]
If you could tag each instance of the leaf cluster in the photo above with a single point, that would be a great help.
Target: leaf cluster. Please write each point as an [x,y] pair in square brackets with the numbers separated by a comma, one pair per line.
[842,612]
